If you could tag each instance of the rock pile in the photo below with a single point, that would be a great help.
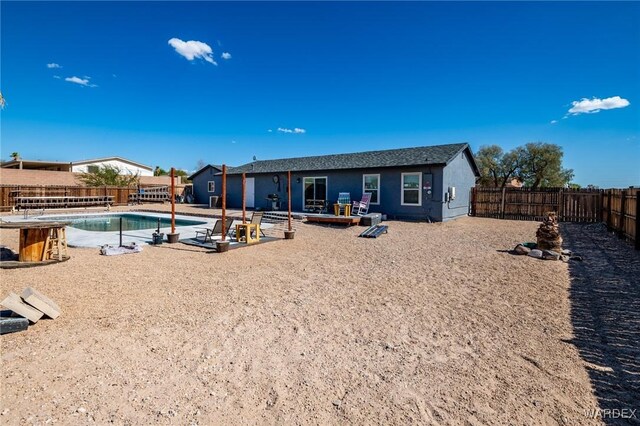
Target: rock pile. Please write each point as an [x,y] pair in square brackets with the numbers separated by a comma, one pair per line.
[548,234]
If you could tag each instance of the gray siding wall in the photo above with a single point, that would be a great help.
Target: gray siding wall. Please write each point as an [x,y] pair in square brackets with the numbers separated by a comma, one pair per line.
[346,181]
[459,174]
[201,185]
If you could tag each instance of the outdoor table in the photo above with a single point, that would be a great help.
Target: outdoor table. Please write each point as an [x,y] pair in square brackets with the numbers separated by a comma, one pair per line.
[347,209]
[245,229]
[35,238]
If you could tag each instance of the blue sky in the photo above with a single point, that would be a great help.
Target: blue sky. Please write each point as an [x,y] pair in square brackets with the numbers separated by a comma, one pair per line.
[92,79]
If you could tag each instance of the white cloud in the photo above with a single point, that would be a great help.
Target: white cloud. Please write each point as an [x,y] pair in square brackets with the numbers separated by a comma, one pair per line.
[553,121]
[297,130]
[53,65]
[193,49]
[80,81]
[226,55]
[57,76]
[591,106]
[269,130]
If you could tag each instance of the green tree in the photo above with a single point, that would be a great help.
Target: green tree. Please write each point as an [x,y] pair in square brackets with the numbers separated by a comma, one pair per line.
[541,166]
[15,155]
[497,168]
[3,102]
[109,176]
[159,171]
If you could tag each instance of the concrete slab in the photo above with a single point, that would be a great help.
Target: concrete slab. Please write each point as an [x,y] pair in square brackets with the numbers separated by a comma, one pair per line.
[41,302]
[15,303]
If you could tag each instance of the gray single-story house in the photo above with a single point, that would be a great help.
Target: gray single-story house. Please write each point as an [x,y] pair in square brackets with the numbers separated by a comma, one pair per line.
[430,182]
[204,184]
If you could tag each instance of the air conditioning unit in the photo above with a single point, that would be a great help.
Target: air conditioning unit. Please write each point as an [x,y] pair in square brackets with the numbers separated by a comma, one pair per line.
[213,201]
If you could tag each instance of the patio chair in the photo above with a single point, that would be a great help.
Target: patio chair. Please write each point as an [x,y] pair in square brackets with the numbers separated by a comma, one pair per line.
[361,208]
[214,231]
[344,199]
[256,217]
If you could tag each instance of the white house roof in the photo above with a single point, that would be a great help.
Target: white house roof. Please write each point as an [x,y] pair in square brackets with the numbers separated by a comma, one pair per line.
[124,160]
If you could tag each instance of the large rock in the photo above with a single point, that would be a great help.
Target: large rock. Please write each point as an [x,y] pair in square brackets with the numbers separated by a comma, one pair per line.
[550,255]
[536,253]
[548,234]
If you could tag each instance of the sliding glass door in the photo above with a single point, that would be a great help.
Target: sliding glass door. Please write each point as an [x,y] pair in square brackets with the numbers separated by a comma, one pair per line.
[315,193]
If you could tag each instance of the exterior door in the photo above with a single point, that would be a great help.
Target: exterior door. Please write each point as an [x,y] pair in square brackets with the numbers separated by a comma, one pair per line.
[250,193]
[314,193]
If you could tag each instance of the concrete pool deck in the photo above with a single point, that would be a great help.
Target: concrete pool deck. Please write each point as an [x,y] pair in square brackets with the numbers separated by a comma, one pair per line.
[81,238]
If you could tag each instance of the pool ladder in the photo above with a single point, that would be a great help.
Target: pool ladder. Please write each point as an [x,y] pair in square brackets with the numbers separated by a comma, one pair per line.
[26,213]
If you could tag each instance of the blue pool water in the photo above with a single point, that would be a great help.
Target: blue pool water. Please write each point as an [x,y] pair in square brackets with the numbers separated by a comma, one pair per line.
[130,222]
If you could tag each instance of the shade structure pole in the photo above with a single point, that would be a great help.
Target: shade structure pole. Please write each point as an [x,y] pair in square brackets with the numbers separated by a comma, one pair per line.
[173,200]
[224,202]
[244,198]
[289,197]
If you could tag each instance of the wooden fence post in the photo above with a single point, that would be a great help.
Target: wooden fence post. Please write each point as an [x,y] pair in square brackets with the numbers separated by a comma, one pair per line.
[472,207]
[636,220]
[504,191]
[609,221]
[623,206]
[560,205]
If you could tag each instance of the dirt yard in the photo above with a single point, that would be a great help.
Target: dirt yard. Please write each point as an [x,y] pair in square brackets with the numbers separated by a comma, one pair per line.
[430,323]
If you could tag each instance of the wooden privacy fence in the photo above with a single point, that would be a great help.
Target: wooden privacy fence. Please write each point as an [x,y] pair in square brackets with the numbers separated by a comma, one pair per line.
[8,193]
[618,208]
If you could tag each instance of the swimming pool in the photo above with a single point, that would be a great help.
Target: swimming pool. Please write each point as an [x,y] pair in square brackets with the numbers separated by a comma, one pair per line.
[130,222]
[96,230]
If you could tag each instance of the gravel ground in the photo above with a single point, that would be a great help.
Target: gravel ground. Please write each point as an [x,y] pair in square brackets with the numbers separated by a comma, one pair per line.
[430,323]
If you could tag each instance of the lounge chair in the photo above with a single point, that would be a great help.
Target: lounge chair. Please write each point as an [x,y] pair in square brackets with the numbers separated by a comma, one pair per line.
[361,208]
[214,231]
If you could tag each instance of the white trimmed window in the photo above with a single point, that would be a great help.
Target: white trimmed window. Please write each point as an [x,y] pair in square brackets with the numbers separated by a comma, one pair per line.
[371,184]
[411,193]
[211,186]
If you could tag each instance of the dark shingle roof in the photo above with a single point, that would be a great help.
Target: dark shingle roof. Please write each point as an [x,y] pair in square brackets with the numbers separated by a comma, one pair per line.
[423,155]
[216,167]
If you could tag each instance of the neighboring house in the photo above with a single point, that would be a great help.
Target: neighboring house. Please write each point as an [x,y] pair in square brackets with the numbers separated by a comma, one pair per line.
[126,166]
[515,183]
[431,182]
[56,166]
[206,183]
